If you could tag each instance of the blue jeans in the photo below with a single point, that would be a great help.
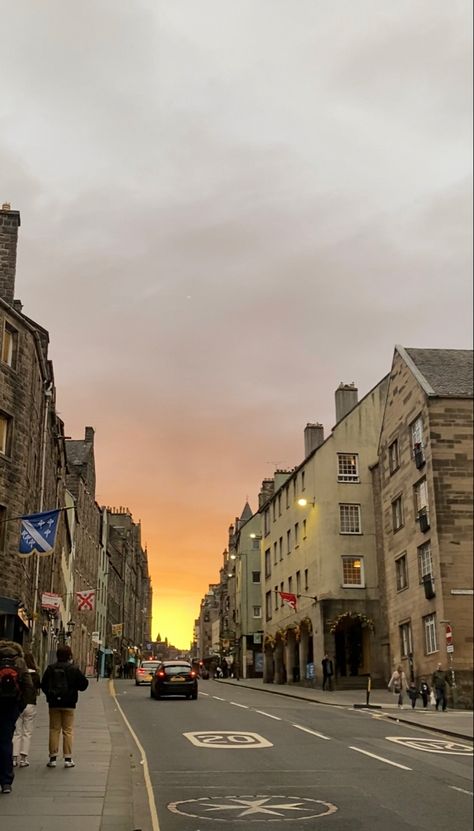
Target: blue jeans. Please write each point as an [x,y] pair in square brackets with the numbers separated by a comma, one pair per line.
[9,712]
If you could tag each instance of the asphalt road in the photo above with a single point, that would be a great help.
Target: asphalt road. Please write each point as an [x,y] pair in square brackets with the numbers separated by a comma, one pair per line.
[239,758]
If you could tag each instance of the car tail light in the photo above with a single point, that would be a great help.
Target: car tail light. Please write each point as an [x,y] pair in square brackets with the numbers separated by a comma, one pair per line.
[161,674]
[192,674]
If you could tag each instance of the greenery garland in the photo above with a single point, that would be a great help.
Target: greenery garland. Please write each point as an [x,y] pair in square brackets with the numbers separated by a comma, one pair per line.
[366,622]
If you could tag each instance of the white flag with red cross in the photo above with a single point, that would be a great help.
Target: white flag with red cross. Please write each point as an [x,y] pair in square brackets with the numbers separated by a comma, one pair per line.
[85,600]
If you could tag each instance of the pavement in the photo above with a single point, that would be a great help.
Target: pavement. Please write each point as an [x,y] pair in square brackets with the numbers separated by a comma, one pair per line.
[457,723]
[107,789]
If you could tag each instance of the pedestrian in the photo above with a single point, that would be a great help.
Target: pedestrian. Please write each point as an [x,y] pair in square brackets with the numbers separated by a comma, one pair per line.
[412,694]
[328,671]
[15,686]
[440,680]
[424,692]
[398,685]
[26,720]
[61,683]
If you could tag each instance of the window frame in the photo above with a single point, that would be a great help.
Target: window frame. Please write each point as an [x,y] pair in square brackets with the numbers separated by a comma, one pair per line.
[343,476]
[430,633]
[398,500]
[268,563]
[349,519]
[9,340]
[298,583]
[345,558]
[259,577]
[257,616]
[393,456]
[268,605]
[423,557]
[6,434]
[306,579]
[402,558]
[405,626]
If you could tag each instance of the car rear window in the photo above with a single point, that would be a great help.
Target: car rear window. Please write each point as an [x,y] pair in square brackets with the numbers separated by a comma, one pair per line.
[178,670]
[149,664]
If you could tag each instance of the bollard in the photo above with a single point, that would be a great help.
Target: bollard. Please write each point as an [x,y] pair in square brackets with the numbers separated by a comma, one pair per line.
[369,684]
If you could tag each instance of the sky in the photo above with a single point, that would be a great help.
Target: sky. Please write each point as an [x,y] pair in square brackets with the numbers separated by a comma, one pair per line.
[228,209]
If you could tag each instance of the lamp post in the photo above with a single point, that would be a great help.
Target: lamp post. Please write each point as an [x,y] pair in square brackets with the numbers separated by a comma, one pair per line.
[450,651]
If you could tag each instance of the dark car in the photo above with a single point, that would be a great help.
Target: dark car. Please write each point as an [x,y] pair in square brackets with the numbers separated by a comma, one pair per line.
[174,678]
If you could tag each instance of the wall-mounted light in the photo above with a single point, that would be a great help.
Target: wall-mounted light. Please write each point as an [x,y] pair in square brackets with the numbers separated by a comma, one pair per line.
[70,625]
[232,556]
[255,536]
[303,502]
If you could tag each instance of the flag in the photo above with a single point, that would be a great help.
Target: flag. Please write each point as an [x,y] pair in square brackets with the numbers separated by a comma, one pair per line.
[289,599]
[85,600]
[117,630]
[38,533]
[50,602]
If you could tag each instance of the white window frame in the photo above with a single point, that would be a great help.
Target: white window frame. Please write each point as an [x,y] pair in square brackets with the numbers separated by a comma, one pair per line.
[421,495]
[344,467]
[5,433]
[425,560]
[397,516]
[406,639]
[431,636]
[398,571]
[416,432]
[351,511]
[361,571]
[256,612]
[9,345]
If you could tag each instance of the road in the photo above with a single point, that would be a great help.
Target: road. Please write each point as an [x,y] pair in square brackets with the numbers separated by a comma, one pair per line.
[239,758]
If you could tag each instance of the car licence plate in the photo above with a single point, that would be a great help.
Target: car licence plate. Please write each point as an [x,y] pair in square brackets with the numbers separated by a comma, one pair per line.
[175,678]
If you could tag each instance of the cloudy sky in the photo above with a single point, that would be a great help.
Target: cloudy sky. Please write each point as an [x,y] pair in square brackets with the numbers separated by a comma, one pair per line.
[227,209]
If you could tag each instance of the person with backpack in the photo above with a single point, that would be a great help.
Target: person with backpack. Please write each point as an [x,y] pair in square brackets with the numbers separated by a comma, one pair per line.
[26,720]
[61,684]
[15,687]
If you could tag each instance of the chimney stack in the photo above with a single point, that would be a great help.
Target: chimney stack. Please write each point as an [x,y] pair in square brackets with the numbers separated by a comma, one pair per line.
[89,435]
[9,224]
[313,437]
[266,491]
[347,396]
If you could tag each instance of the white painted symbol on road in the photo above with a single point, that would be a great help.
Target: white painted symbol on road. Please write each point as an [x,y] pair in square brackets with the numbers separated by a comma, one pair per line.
[253,808]
[227,740]
[433,745]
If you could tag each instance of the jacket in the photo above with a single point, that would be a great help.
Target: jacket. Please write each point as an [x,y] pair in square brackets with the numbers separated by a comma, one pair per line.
[439,679]
[33,693]
[398,682]
[13,652]
[76,682]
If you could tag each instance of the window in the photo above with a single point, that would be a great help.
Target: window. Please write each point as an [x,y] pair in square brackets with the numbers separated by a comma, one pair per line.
[277,597]
[298,583]
[401,572]
[287,496]
[266,522]
[10,346]
[302,480]
[425,560]
[275,552]
[406,645]
[5,433]
[255,577]
[268,606]
[297,533]
[304,529]
[274,507]
[393,457]
[431,641]
[349,519]
[290,584]
[288,542]
[397,514]
[3,527]
[417,434]
[306,577]
[257,611]
[347,467]
[352,571]
[279,504]
[282,589]
[280,547]
[421,495]
[268,564]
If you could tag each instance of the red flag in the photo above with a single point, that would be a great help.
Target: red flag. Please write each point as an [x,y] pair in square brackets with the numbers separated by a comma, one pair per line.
[289,599]
[85,601]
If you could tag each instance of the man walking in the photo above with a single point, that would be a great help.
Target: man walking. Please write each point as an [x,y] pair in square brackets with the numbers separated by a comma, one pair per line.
[61,683]
[328,671]
[439,683]
[15,686]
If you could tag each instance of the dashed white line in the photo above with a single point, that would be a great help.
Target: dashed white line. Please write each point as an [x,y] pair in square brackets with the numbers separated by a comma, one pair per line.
[312,732]
[461,790]
[235,704]
[261,712]
[217,698]
[380,758]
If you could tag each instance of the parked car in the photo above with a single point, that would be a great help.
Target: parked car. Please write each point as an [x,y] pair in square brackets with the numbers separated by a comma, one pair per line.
[174,678]
[144,673]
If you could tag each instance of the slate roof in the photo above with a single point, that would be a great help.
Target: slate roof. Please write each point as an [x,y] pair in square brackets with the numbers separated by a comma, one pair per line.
[447,372]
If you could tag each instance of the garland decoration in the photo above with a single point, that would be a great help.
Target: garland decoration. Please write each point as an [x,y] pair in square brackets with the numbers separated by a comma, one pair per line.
[349,617]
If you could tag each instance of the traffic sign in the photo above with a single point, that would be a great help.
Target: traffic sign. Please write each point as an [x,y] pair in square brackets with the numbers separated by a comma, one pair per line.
[449,647]
[449,633]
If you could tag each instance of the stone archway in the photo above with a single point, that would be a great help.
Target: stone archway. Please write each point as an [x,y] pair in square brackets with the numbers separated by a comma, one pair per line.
[352,644]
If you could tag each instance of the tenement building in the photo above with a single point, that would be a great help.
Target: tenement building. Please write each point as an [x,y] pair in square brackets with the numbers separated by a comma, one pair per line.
[423,491]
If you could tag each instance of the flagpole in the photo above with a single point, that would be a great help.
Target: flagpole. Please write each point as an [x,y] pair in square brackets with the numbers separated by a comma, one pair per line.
[48,395]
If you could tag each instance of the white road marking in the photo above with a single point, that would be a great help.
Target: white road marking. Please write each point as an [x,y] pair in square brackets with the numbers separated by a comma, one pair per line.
[313,732]
[227,740]
[461,790]
[447,746]
[206,694]
[217,698]
[262,713]
[380,758]
[244,706]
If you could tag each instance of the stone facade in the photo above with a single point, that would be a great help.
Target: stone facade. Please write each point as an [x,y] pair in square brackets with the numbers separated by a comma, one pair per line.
[424,479]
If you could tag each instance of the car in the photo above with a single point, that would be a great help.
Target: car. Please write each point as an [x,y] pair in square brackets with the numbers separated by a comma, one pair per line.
[174,678]
[144,673]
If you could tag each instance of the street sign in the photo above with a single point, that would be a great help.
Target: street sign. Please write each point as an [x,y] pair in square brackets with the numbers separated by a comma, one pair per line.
[449,633]
[449,647]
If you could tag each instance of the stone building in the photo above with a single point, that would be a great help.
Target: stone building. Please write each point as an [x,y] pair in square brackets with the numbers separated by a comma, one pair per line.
[244,553]
[32,458]
[423,492]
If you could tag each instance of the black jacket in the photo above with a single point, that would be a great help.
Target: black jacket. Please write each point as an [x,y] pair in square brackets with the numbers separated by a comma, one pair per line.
[76,682]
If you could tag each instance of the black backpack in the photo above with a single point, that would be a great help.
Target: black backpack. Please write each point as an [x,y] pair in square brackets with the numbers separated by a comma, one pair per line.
[58,687]
[10,686]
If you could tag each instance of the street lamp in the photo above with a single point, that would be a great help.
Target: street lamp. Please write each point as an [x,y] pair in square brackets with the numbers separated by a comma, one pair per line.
[303,502]
[70,625]
[255,536]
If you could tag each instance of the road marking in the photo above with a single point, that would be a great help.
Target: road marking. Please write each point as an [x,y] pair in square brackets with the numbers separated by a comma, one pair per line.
[217,698]
[313,732]
[234,704]
[227,740]
[260,806]
[206,694]
[262,713]
[380,758]
[146,773]
[446,746]
[461,790]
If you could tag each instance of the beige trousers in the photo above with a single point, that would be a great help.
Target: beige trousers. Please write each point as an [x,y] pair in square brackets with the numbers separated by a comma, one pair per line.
[61,719]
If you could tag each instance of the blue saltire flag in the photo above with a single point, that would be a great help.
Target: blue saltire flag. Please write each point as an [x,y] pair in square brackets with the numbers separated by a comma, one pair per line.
[38,533]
